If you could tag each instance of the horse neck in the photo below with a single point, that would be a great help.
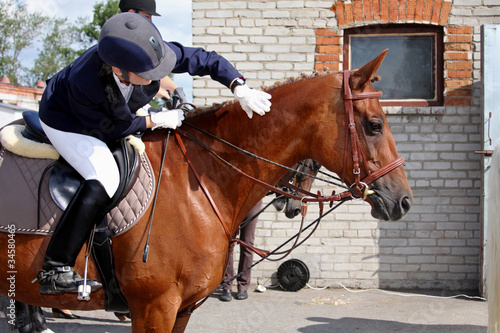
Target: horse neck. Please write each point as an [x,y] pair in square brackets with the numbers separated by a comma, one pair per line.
[282,136]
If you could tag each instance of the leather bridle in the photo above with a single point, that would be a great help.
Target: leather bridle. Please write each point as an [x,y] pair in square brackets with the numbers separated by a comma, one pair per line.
[360,187]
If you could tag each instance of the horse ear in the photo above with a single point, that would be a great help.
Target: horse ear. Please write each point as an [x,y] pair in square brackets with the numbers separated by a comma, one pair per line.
[365,74]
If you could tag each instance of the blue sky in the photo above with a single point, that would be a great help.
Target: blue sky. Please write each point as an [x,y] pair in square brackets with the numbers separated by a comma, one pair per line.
[174,23]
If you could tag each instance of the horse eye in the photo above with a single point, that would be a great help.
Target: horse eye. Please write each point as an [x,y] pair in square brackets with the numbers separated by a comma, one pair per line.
[375,126]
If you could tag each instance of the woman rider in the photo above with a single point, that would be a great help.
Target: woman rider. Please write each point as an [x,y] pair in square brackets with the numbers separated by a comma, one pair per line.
[93,101]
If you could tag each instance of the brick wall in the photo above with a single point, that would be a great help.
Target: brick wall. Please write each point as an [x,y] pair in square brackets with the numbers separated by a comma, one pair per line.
[21,96]
[438,244]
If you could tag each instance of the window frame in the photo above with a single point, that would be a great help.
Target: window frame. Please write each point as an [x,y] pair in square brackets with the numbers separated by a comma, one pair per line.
[404,29]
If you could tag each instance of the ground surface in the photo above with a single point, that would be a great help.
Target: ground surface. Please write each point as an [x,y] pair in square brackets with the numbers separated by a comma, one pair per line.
[310,311]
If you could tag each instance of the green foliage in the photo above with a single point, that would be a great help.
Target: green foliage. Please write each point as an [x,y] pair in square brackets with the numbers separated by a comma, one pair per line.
[57,50]
[18,31]
[102,12]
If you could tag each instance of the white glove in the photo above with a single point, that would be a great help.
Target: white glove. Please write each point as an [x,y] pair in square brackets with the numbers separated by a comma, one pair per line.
[167,119]
[252,100]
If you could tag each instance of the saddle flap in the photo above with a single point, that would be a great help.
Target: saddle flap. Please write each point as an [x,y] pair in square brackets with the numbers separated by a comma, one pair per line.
[64,180]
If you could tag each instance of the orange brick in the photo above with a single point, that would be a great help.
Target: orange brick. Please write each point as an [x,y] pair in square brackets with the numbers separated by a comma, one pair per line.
[453,101]
[436,11]
[461,65]
[419,10]
[328,41]
[445,12]
[349,12]
[393,10]
[458,92]
[459,38]
[457,47]
[456,56]
[358,11]
[452,74]
[427,11]
[461,30]
[328,49]
[402,10]
[384,10]
[410,15]
[367,4]
[457,83]
[326,32]
[340,13]
[376,10]
[327,58]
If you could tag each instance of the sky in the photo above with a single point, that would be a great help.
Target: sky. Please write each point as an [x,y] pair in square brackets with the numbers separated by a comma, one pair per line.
[174,23]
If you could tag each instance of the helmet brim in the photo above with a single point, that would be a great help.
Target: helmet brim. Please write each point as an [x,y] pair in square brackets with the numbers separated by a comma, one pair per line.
[163,69]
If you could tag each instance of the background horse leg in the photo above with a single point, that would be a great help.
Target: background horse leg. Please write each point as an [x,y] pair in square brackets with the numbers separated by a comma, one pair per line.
[30,318]
[23,318]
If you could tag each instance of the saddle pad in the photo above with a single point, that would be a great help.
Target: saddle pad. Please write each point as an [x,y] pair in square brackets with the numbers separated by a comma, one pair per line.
[19,181]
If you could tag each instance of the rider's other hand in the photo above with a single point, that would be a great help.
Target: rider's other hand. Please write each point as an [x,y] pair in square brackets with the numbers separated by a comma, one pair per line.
[252,100]
[167,119]
[178,98]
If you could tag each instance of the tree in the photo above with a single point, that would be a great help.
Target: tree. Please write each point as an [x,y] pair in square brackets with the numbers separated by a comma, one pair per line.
[18,31]
[58,50]
[102,12]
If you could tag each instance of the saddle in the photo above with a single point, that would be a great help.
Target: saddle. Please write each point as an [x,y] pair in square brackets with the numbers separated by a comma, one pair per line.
[64,180]
[63,183]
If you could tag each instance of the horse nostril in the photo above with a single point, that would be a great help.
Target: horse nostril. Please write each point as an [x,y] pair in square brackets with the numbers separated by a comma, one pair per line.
[296,212]
[405,204]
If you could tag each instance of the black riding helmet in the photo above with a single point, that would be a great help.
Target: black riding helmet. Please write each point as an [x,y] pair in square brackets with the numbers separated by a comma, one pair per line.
[148,6]
[132,43]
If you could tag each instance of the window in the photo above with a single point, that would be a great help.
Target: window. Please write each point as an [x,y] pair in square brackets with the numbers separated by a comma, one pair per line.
[412,71]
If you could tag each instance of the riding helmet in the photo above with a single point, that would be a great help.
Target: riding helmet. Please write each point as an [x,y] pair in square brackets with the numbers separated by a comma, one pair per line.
[131,42]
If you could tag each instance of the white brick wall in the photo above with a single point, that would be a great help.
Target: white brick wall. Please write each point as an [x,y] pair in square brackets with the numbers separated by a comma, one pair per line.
[438,244]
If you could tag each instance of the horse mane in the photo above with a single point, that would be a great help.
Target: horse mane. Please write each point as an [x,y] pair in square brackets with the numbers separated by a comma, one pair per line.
[216,106]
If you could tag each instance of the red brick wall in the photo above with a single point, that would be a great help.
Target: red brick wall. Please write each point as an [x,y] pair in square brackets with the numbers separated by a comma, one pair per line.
[458,64]
[10,89]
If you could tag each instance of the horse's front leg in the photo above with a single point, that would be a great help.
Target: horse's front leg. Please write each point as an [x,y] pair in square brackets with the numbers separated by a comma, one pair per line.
[156,315]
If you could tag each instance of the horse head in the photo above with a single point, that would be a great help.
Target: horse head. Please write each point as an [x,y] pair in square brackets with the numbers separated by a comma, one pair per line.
[371,159]
[300,178]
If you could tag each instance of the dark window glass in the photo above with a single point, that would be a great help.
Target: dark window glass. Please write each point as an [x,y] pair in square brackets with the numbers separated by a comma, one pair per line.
[411,71]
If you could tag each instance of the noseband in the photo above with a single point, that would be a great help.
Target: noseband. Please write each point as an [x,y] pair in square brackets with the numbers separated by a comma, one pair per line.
[360,187]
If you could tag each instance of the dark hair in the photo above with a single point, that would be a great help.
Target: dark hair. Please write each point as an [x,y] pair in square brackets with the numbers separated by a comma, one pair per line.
[110,88]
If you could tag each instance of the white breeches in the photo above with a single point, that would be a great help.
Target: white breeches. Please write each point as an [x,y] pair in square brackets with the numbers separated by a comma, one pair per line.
[90,157]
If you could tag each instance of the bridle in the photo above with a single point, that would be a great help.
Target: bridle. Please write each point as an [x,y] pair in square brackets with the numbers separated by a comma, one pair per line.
[360,187]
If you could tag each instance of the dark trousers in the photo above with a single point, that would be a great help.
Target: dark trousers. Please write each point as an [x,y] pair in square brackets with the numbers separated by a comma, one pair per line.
[247,235]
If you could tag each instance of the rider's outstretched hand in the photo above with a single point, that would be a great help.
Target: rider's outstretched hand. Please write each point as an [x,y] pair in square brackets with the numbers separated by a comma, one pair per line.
[252,100]
[167,119]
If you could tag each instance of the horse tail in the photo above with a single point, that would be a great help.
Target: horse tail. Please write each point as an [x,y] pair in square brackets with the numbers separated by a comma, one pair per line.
[493,243]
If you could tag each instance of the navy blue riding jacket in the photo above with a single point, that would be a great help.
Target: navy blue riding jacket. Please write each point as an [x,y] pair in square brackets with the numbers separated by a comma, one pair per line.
[76,99]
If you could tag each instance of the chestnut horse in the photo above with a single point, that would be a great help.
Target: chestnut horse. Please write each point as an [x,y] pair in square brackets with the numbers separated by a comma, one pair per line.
[202,200]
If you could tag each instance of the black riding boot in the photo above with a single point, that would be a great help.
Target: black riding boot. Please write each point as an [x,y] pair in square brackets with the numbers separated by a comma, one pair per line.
[85,210]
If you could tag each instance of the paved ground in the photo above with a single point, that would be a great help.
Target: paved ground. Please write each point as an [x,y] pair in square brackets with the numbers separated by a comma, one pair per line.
[311,311]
